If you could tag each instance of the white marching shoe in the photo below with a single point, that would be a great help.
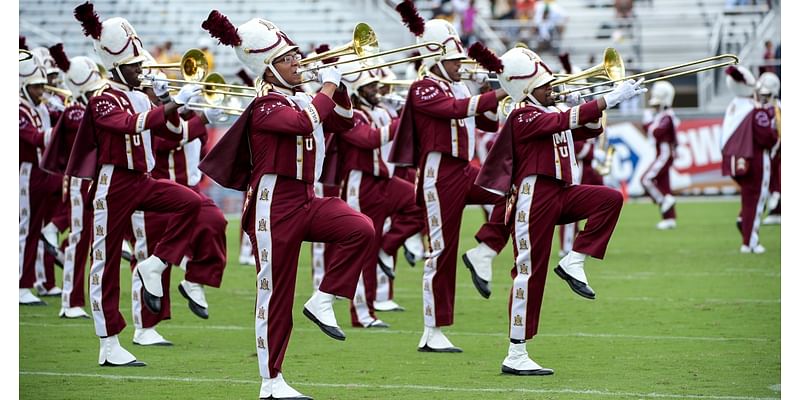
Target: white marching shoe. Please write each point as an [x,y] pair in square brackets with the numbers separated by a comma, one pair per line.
[772,219]
[479,262]
[27,298]
[758,249]
[319,309]
[386,263]
[665,224]
[434,341]
[149,272]
[667,203]
[149,337]
[517,362]
[387,305]
[196,295]
[570,269]
[277,388]
[112,354]
[72,312]
[414,249]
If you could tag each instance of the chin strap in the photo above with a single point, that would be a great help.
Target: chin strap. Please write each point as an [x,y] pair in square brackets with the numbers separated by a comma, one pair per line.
[27,95]
[285,84]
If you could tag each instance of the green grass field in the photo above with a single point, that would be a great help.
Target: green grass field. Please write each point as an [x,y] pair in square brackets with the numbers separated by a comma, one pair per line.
[679,314]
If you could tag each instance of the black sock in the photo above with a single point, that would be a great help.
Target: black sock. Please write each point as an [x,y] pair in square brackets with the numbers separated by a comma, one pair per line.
[517,341]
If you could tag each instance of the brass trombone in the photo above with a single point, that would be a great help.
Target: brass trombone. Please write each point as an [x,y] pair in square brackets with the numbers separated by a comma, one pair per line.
[194,69]
[57,90]
[733,60]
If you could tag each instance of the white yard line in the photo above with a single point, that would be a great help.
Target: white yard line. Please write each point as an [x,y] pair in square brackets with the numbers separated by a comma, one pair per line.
[589,392]
[449,332]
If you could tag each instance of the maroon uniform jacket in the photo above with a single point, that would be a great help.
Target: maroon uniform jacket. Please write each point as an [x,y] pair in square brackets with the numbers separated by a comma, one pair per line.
[177,158]
[56,156]
[31,133]
[663,129]
[116,129]
[742,151]
[359,148]
[538,141]
[433,120]
[275,135]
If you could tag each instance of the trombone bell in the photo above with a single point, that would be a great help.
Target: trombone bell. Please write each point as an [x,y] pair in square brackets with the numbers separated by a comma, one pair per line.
[612,68]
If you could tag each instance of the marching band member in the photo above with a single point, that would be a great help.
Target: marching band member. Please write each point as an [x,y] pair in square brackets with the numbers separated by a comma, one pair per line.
[437,134]
[82,77]
[113,148]
[768,88]
[533,161]
[662,127]
[275,150]
[177,159]
[34,132]
[369,187]
[747,137]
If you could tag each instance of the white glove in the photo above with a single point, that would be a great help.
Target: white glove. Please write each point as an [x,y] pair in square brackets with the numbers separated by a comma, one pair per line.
[624,91]
[215,115]
[573,99]
[481,78]
[186,93]
[329,74]
[55,103]
[160,87]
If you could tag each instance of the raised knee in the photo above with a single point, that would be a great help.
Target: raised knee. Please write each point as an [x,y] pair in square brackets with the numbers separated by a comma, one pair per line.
[364,229]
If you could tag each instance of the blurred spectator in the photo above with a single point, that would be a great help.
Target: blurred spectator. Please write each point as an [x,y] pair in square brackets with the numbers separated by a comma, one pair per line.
[506,9]
[468,24]
[624,8]
[168,56]
[525,9]
[769,59]
[549,20]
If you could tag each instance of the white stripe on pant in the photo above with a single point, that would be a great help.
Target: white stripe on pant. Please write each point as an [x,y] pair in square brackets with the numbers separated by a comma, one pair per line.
[264,291]
[436,236]
[523,263]
[99,245]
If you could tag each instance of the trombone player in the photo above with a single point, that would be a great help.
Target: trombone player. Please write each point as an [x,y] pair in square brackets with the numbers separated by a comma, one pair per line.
[532,162]
[282,132]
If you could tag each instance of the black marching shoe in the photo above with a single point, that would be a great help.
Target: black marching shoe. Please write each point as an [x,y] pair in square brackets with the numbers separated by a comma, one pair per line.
[577,286]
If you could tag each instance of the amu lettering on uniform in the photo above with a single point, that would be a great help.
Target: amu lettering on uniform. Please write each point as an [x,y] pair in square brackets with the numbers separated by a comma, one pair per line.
[560,141]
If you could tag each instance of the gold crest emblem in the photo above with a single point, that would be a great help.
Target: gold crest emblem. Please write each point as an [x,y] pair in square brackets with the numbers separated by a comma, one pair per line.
[98,205]
[431,196]
[429,173]
[521,216]
[99,231]
[427,286]
[264,194]
[318,264]
[139,233]
[264,255]
[261,344]
[76,202]
[98,255]
[437,245]
[24,212]
[261,313]
[40,275]
[264,284]
[383,280]
[523,244]
[23,192]
[70,258]
[526,188]
[262,225]
[523,269]
[76,222]
[434,221]
[22,231]
[24,172]
[136,320]
[517,320]
[95,279]
[135,296]
[104,179]
[352,192]
[428,311]
[358,299]
[68,277]
[520,294]
[140,255]
[95,306]
[741,164]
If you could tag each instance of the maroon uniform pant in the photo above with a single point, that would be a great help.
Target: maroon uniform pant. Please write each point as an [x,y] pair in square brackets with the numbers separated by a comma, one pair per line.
[279,215]
[118,193]
[447,186]
[542,203]
[755,191]
[78,243]
[655,179]
[378,198]
[32,211]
